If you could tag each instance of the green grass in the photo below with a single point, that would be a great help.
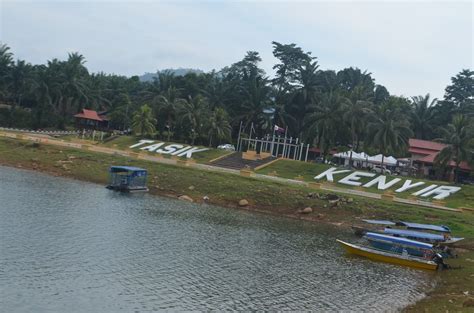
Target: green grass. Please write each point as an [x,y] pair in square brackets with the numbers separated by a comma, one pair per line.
[292,169]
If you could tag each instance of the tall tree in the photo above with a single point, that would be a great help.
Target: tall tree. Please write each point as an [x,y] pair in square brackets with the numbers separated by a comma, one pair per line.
[461,91]
[389,130]
[219,126]
[324,123]
[358,107]
[143,122]
[291,58]
[6,63]
[168,105]
[422,116]
[193,114]
[459,139]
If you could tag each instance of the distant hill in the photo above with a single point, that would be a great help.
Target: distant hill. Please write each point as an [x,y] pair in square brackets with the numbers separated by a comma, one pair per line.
[147,77]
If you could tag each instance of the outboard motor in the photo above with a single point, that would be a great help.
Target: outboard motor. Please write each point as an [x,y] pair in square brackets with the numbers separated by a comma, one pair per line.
[438,259]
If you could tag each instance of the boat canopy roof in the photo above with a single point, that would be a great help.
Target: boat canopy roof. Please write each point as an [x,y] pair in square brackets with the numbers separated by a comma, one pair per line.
[399,240]
[118,169]
[414,234]
[440,228]
[380,222]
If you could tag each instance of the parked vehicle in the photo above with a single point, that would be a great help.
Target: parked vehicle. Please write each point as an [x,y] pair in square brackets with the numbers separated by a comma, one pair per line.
[380,170]
[227,146]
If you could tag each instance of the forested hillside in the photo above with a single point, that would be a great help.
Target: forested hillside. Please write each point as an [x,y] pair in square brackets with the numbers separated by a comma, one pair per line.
[325,108]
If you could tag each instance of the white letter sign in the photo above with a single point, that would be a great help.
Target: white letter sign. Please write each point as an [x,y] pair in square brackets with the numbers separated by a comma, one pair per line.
[353,179]
[329,173]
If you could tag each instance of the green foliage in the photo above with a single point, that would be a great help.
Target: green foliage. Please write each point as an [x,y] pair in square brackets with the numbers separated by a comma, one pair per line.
[325,108]
[459,139]
[143,122]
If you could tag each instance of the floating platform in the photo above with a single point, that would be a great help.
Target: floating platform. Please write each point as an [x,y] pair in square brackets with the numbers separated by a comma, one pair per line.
[127,179]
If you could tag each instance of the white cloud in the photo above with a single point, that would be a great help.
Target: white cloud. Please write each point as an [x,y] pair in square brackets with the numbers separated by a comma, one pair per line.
[411,47]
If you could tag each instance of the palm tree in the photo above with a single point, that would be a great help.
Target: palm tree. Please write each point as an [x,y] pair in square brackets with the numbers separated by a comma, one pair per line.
[219,126]
[6,63]
[304,94]
[143,122]
[255,95]
[389,131]
[422,116]
[168,105]
[356,111]
[325,121]
[459,139]
[193,112]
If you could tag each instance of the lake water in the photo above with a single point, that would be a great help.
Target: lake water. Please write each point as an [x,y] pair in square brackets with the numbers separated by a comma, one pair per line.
[70,246]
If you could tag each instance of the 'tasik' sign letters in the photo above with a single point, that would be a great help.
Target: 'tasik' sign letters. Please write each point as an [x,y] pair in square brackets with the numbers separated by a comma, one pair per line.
[353,179]
[173,149]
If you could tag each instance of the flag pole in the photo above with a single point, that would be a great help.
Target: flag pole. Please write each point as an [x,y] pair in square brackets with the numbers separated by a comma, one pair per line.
[238,138]
[284,143]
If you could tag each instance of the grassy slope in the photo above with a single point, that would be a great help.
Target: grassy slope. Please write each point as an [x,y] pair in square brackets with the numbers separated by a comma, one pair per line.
[291,169]
[124,142]
[270,197]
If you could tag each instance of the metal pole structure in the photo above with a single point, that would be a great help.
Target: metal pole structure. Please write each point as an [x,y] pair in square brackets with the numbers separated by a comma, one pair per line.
[278,146]
[307,150]
[238,138]
[295,155]
[284,144]
[288,153]
[273,141]
[301,151]
[250,136]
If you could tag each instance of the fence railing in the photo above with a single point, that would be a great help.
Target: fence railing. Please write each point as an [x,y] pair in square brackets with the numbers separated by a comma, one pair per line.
[46,132]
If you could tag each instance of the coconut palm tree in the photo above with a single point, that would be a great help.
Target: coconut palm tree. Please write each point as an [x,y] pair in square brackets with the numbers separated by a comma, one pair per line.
[389,131]
[358,106]
[168,105]
[193,113]
[459,139]
[143,122]
[219,126]
[324,123]
[255,97]
[422,116]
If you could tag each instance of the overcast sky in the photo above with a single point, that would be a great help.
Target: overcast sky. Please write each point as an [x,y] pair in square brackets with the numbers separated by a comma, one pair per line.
[412,48]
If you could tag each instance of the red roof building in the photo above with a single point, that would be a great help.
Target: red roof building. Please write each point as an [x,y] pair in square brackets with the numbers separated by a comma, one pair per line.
[424,152]
[90,119]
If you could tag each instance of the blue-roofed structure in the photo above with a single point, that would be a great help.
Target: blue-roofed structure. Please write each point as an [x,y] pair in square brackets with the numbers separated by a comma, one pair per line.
[399,240]
[440,228]
[127,178]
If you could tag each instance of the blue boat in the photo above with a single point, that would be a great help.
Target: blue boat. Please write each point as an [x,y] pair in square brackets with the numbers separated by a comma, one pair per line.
[127,179]
[438,228]
[422,236]
[400,245]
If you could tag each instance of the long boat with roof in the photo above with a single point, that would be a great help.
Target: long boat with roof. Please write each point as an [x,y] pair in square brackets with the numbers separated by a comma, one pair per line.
[439,234]
[393,258]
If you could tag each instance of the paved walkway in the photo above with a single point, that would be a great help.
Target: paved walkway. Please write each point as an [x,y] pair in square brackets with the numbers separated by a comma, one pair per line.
[159,159]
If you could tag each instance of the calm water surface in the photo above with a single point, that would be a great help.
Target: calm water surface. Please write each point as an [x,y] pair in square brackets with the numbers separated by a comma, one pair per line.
[69,246]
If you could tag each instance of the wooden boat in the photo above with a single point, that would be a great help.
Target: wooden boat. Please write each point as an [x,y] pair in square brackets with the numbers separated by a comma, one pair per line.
[387,257]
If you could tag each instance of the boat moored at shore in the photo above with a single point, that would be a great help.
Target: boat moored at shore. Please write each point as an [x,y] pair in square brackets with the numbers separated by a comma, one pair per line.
[393,258]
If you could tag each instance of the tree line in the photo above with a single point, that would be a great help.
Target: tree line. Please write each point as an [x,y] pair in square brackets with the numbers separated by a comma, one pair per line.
[325,108]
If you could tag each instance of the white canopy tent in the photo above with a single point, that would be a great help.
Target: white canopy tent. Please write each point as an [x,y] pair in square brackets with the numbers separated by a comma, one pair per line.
[364,159]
